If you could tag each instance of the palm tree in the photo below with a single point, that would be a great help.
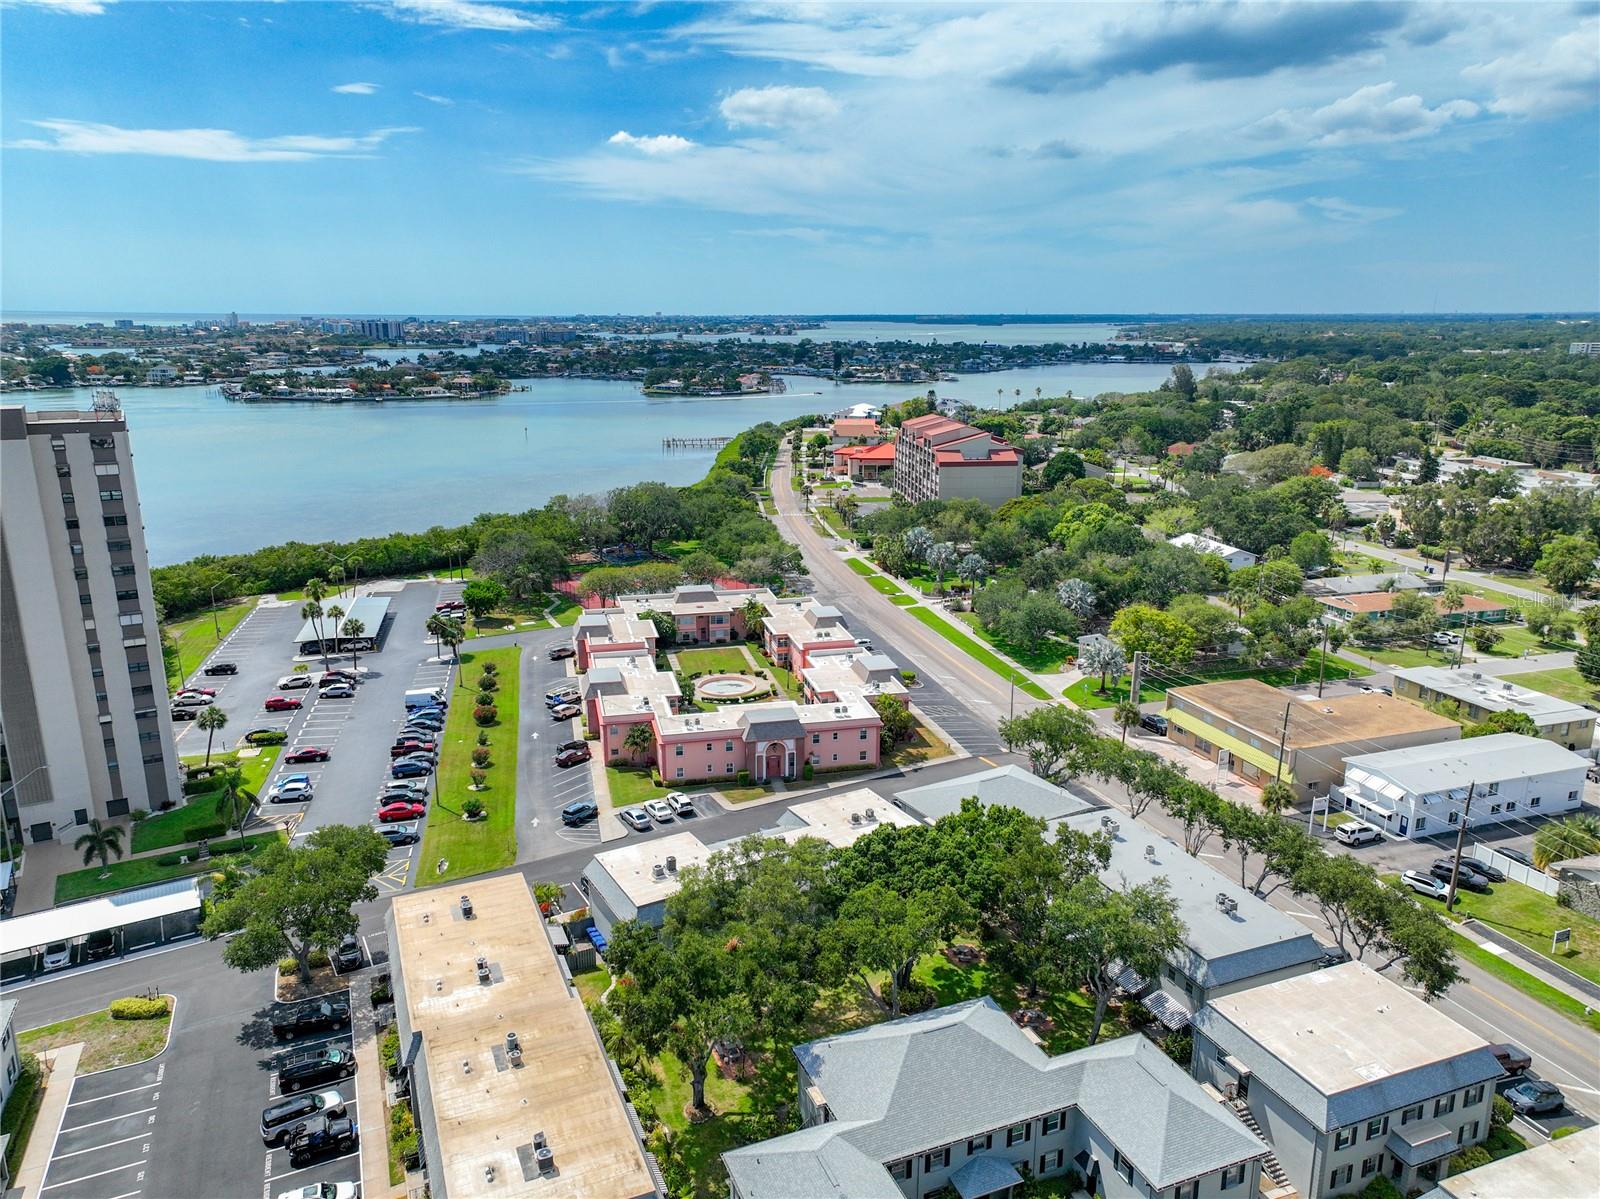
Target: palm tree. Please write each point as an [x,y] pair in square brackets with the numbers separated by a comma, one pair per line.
[235,795]
[101,841]
[641,739]
[211,721]
[353,628]
[1277,797]
[755,616]
[316,591]
[458,554]
[437,627]
[1126,715]
[312,611]
[1575,837]
[336,614]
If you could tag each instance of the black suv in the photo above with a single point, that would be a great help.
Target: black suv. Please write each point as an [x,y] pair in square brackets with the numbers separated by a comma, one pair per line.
[222,668]
[310,1017]
[320,1136]
[314,1066]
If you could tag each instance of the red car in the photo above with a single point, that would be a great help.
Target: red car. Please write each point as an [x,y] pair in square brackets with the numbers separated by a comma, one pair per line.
[197,691]
[399,810]
[307,753]
[283,703]
[408,746]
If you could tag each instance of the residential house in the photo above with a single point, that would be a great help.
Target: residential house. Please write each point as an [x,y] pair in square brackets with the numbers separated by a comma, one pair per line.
[1260,733]
[1348,1076]
[611,632]
[1563,1169]
[10,1059]
[1401,580]
[937,458]
[1558,720]
[1233,939]
[854,430]
[1379,605]
[702,613]
[1422,791]
[1201,544]
[961,1097]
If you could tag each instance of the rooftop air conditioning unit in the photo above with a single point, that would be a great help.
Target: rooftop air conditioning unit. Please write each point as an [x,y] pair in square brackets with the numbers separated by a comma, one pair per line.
[466,907]
[1150,853]
[872,817]
[658,871]
[672,864]
[1105,822]
[1222,900]
[855,818]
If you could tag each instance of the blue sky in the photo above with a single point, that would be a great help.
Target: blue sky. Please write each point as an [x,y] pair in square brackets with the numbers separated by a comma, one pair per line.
[453,156]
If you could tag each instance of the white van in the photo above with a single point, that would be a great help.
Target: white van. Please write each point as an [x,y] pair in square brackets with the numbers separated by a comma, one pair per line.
[1357,832]
[424,698]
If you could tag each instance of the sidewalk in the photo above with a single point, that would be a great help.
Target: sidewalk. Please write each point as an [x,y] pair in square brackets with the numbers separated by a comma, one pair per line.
[370,1085]
[63,1065]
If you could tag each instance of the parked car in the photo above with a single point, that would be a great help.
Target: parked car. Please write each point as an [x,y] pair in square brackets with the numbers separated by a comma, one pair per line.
[407,768]
[579,811]
[262,735]
[337,675]
[1425,884]
[408,786]
[294,682]
[1356,832]
[310,1017]
[558,652]
[318,1137]
[410,745]
[401,809]
[1512,1059]
[1442,638]
[282,703]
[1154,722]
[1516,855]
[564,695]
[339,691]
[278,1119]
[399,834]
[572,757]
[682,805]
[290,792]
[450,605]
[184,713]
[321,1190]
[421,730]
[57,956]
[1493,873]
[636,818]
[425,720]
[221,668]
[349,955]
[1466,878]
[192,700]
[297,1071]
[212,691]
[575,744]
[426,757]
[565,711]
[1370,689]
[660,810]
[308,753]
[1535,1097]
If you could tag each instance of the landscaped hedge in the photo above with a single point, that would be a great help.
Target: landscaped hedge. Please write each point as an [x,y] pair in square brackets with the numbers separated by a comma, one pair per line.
[135,1007]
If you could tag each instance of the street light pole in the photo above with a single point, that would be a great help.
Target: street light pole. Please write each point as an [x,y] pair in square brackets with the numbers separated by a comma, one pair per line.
[215,624]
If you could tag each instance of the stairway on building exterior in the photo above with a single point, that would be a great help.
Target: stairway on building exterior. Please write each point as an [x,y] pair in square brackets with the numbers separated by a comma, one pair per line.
[1275,1183]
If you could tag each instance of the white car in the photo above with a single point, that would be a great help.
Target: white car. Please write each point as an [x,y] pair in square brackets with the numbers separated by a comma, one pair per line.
[294,682]
[682,805]
[1425,884]
[1357,832]
[191,699]
[660,809]
[294,791]
[322,1190]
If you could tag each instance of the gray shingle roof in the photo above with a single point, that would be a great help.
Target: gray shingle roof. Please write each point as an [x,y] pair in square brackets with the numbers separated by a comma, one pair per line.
[937,1078]
[1004,786]
[772,722]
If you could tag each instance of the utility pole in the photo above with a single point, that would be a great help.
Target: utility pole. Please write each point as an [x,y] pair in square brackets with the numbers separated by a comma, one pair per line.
[1283,740]
[1136,676]
[1322,661]
[1461,840]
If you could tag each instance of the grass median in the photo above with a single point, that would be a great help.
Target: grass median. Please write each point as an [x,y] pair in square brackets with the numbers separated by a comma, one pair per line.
[1532,918]
[177,826]
[160,868]
[471,847]
[1469,951]
[193,637]
[979,652]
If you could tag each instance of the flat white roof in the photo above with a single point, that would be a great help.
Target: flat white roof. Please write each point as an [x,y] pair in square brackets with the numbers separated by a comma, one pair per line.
[96,915]
[841,819]
[632,866]
[1495,694]
[1451,765]
[1345,1027]
[1564,1169]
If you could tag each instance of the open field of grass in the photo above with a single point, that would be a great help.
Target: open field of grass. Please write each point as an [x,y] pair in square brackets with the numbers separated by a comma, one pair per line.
[141,872]
[980,652]
[473,847]
[592,984]
[1083,691]
[730,659]
[175,827]
[630,785]
[193,637]
[1049,656]
[924,746]
[1565,683]
[107,1043]
[1530,917]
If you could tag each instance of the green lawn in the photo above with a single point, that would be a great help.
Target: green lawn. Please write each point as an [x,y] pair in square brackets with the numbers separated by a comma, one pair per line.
[592,984]
[21,1111]
[1083,691]
[1514,638]
[978,651]
[630,786]
[173,828]
[903,600]
[1528,582]
[107,1043]
[141,872]
[474,847]
[923,746]
[1406,655]
[1565,683]
[862,567]
[566,610]
[1537,989]
[743,794]
[730,659]
[193,637]
[1048,656]
[1530,917]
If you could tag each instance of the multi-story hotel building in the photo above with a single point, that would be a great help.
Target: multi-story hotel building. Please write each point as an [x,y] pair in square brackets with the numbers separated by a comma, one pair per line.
[83,696]
[936,458]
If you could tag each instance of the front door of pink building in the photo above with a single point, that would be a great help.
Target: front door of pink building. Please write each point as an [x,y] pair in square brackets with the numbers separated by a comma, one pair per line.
[774,761]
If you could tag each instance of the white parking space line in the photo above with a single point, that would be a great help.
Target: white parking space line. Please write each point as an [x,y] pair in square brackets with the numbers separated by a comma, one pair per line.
[320,1165]
[96,1148]
[101,1174]
[107,1120]
[127,1195]
[114,1094]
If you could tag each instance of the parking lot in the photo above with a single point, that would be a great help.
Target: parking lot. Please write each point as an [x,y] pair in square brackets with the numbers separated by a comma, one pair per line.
[109,1134]
[278,1173]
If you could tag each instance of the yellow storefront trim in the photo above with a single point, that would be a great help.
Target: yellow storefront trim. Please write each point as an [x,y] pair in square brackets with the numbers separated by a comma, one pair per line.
[1261,759]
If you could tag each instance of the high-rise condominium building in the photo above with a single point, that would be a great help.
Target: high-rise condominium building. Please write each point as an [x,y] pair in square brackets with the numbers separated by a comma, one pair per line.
[83,698]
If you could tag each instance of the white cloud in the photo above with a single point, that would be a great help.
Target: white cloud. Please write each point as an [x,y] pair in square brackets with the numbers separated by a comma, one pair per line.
[779,106]
[655,145]
[356,89]
[1541,80]
[208,145]
[466,14]
[446,101]
[77,8]
[1369,114]
[1345,212]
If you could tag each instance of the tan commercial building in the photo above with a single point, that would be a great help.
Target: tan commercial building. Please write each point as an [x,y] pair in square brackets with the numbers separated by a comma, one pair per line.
[1261,733]
[512,1091]
[936,458]
[83,695]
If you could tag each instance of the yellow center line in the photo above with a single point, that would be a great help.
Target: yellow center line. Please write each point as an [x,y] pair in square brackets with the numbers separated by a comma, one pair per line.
[981,758]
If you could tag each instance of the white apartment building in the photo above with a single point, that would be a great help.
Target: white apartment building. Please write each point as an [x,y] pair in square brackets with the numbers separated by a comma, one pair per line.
[83,696]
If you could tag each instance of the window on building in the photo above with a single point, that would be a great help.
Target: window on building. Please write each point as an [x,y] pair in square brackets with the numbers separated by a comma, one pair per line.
[816,738]
[900,1169]
[138,668]
[1571,795]
[1536,801]
[1017,1134]
[727,747]
[937,1160]
[152,736]
[863,736]
[1122,1165]
[80,573]
[1467,1132]
[1511,805]
[1422,823]
[1455,817]
[1233,1176]
[863,756]
[117,546]
[77,548]
[1344,1138]
[63,471]
[130,618]
[1494,809]
[85,598]
[133,642]
[1187,1190]
[1052,1161]
[110,493]
[680,773]
[123,570]
[677,751]
[1472,1095]
[102,443]
[112,522]
[106,468]
[1376,1128]
[1444,1105]
[1410,1114]
[130,594]
[1371,1165]
[72,522]
[150,760]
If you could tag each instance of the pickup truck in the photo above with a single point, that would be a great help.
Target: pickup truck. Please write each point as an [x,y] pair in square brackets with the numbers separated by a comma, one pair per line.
[310,1017]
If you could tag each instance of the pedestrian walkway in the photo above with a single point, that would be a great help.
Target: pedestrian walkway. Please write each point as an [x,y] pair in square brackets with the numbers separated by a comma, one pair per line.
[60,1066]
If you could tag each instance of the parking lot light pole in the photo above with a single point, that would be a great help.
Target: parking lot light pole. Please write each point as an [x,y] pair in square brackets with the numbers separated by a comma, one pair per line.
[215,624]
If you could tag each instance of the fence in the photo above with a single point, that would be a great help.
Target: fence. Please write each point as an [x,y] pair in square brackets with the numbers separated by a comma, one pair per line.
[1514,870]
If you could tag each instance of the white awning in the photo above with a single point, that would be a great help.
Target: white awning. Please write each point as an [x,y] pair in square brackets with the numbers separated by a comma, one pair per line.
[1168,1010]
[97,915]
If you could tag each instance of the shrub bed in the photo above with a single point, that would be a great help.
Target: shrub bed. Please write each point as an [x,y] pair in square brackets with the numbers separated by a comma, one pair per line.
[136,1007]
